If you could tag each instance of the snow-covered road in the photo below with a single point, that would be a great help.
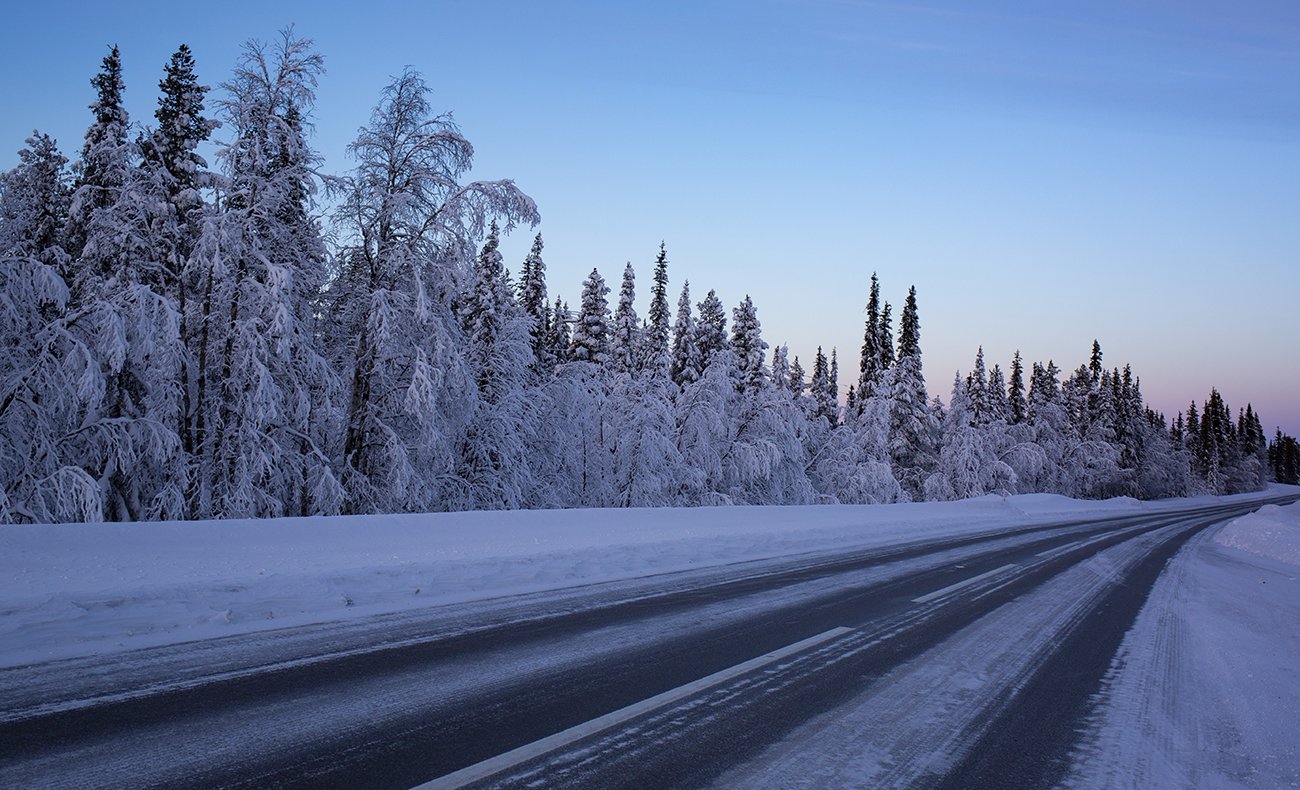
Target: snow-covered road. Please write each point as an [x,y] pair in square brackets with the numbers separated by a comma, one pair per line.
[921,649]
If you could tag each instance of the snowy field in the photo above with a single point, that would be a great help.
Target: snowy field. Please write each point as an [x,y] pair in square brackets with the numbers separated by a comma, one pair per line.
[83,589]
[1205,691]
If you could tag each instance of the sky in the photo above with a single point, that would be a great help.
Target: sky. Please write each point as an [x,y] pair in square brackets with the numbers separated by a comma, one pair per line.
[1044,174]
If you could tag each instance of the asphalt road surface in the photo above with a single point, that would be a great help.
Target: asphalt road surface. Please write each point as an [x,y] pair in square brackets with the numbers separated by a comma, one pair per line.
[680,680]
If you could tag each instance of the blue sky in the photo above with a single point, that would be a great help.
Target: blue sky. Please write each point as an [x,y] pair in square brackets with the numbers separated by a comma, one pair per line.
[1043,173]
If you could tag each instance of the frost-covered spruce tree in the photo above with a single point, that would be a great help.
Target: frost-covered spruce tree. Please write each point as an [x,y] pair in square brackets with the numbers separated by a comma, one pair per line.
[625,337]
[176,175]
[819,388]
[533,302]
[34,199]
[105,158]
[591,329]
[833,385]
[655,354]
[781,368]
[999,405]
[869,367]
[129,326]
[710,329]
[912,426]
[684,366]
[886,343]
[561,337]
[410,227]
[1016,404]
[798,384]
[976,390]
[748,345]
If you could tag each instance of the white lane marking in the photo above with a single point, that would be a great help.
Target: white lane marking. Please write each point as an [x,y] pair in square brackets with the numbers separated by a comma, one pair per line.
[502,762]
[964,583]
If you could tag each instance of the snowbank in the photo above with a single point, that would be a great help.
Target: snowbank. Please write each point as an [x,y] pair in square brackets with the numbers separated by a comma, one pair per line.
[81,589]
[1272,531]
[1204,691]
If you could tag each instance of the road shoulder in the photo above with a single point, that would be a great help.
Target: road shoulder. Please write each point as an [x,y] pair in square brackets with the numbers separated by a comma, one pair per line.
[1205,690]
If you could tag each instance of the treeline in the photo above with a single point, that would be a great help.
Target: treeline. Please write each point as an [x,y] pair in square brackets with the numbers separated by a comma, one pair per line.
[186,342]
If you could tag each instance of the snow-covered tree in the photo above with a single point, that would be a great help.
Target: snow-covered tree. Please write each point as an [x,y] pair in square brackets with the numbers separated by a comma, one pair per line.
[1016,404]
[912,426]
[820,388]
[533,302]
[781,367]
[492,455]
[266,391]
[869,366]
[49,375]
[591,330]
[684,366]
[410,226]
[748,344]
[625,336]
[710,329]
[655,354]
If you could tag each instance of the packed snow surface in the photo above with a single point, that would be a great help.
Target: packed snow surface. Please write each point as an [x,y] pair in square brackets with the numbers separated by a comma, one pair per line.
[1205,690]
[82,589]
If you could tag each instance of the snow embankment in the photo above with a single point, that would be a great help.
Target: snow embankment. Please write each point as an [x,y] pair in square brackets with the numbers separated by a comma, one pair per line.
[1273,531]
[1205,690]
[81,589]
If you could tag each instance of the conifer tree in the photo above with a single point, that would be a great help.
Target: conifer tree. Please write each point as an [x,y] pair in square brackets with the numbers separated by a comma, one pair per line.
[710,330]
[625,339]
[1284,458]
[833,383]
[561,335]
[102,170]
[886,342]
[656,355]
[533,302]
[869,365]
[999,405]
[1016,391]
[798,384]
[177,173]
[819,386]
[34,199]
[684,367]
[591,330]
[912,424]
[130,328]
[976,391]
[748,344]
[781,367]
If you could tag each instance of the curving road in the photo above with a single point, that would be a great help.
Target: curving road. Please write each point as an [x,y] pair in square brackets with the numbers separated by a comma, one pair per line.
[965,662]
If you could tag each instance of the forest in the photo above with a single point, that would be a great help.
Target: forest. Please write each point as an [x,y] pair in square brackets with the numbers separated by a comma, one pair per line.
[257,339]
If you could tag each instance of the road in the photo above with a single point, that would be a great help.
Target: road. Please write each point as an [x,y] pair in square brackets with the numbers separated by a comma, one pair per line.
[966,662]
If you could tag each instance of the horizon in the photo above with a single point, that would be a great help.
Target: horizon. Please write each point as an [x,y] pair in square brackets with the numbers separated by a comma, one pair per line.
[1005,164]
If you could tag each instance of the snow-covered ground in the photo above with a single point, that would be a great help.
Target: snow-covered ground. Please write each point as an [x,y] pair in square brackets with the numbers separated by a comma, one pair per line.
[83,589]
[1205,691]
